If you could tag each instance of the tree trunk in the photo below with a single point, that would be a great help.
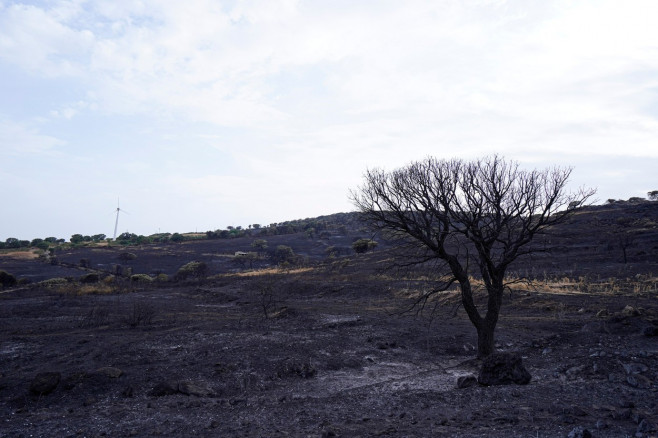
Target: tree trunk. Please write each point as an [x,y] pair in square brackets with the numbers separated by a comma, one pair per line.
[485,340]
[486,344]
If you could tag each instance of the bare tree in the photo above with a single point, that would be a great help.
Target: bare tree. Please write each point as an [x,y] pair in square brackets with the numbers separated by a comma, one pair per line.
[460,215]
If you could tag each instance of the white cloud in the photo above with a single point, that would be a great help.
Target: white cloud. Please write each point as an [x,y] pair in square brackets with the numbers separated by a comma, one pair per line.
[294,99]
[19,140]
[35,40]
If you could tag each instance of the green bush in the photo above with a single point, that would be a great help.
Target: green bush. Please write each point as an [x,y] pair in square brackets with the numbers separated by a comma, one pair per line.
[53,282]
[7,279]
[141,278]
[283,254]
[177,237]
[193,269]
[162,278]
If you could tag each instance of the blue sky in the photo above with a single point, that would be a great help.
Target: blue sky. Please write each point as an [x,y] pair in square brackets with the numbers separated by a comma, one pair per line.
[202,114]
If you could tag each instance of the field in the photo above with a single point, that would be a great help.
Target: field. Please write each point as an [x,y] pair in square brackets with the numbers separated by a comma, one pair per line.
[324,348]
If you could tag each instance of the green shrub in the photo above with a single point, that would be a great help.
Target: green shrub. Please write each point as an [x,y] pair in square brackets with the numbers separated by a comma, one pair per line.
[53,282]
[162,278]
[7,279]
[141,278]
[283,254]
[176,237]
[193,269]
[363,245]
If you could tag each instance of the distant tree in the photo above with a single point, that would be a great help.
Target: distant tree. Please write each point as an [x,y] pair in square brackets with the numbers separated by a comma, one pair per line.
[361,246]
[126,237]
[246,260]
[636,199]
[255,226]
[453,216]
[283,253]
[653,195]
[43,245]
[259,245]
[77,238]
[176,237]
[98,237]
[51,239]
[12,243]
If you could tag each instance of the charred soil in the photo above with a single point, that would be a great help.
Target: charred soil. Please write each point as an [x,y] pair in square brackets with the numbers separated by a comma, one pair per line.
[322,349]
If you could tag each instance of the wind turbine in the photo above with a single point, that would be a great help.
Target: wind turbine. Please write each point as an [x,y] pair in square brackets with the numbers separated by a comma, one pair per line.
[116,223]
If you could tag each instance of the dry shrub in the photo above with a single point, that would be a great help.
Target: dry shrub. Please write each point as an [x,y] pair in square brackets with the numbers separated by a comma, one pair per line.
[96,317]
[140,313]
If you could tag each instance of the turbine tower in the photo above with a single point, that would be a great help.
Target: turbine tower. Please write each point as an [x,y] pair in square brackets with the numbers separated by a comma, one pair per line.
[116,223]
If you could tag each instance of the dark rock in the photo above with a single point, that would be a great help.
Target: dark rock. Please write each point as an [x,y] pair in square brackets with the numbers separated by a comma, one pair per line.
[194,388]
[630,311]
[111,372]
[575,371]
[466,381]
[622,414]
[638,381]
[580,432]
[646,426]
[164,388]
[45,383]
[503,369]
[650,331]
[596,327]
[635,368]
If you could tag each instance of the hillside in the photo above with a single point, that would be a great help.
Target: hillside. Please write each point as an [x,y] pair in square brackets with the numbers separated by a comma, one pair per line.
[614,240]
[320,345]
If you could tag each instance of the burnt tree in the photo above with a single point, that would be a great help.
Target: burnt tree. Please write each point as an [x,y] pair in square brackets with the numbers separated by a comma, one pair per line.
[459,215]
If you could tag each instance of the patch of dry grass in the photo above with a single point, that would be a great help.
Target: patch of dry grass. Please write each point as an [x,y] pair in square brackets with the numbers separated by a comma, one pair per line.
[266,271]
[22,254]
[87,289]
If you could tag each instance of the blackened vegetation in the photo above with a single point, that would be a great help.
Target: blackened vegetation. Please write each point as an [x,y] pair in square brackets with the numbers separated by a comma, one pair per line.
[461,216]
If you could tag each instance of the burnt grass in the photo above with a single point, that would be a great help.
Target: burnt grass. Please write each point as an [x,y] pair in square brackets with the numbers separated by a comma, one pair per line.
[320,348]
